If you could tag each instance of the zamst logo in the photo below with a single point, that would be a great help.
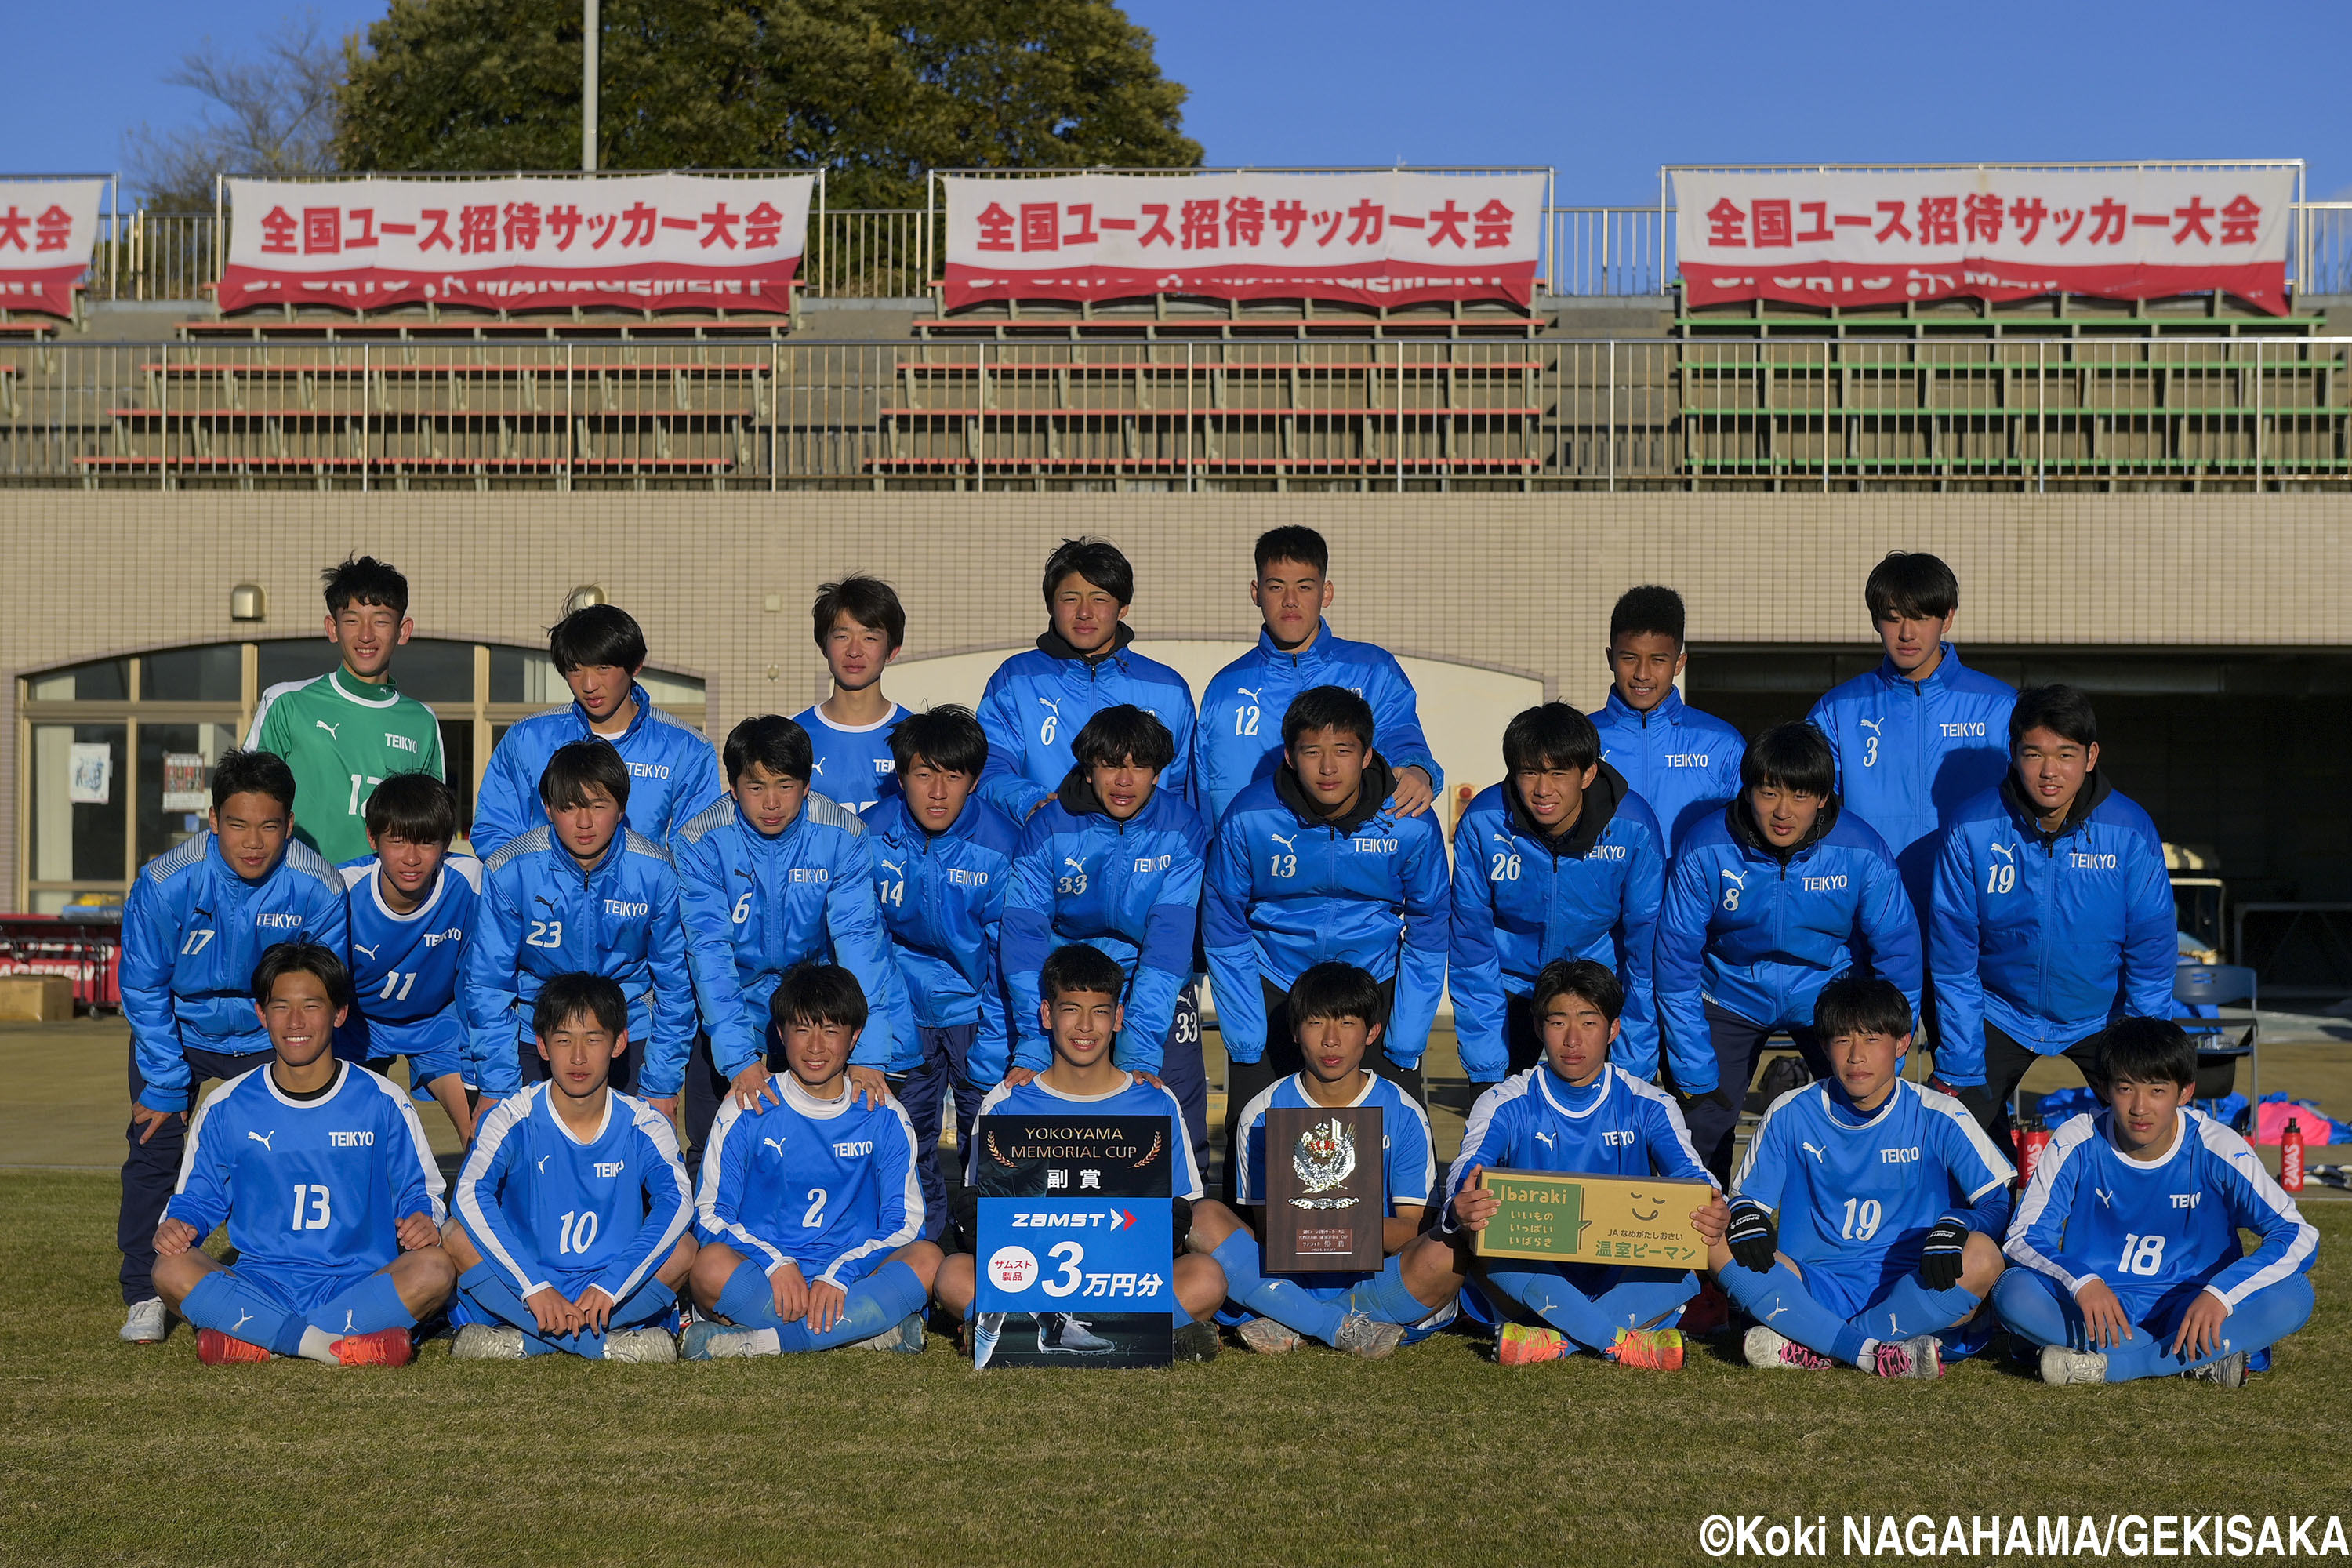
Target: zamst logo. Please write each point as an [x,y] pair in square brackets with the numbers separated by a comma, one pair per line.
[1823,884]
[851,1151]
[294,923]
[1086,1219]
[360,1140]
[2082,861]
[1899,1156]
[400,743]
[957,877]
[1145,864]
[622,909]
[608,1169]
[649,770]
[1687,759]
[1375,846]
[1961,732]
[811,874]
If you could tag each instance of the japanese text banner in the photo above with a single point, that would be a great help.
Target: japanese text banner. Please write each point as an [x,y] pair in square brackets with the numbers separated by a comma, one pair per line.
[1874,237]
[640,241]
[1382,237]
[47,230]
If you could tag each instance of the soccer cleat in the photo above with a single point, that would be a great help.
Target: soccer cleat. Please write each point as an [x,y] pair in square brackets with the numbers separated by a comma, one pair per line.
[1060,1331]
[2060,1364]
[385,1347]
[1521,1345]
[1661,1350]
[2230,1370]
[985,1328]
[487,1341]
[1778,1353]
[216,1348]
[906,1337]
[1264,1336]
[640,1345]
[707,1340]
[1360,1336]
[144,1323]
[1195,1342]
[1708,1313]
[1919,1356]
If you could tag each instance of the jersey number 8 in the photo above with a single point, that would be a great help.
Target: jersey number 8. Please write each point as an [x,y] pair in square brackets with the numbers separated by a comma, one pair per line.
[2142,1255]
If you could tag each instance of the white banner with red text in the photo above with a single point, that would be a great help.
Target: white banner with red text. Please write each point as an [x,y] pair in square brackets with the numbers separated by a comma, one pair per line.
[1381,237]
[48,229]
[636,241]
[1878,238]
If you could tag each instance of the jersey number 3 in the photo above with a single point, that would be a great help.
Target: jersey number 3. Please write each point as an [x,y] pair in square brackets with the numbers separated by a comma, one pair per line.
[313,1206]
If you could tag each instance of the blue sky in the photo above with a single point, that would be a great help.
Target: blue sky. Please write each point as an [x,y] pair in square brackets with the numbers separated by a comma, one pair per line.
[1605,94]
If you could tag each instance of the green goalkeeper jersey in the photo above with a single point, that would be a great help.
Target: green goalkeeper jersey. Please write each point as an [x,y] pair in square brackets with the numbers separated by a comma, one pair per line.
[343,737]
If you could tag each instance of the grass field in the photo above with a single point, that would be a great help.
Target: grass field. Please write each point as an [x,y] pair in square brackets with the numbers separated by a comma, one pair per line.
[115,1453]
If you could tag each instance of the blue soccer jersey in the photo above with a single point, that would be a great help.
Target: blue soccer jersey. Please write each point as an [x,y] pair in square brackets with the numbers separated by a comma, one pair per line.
[1408,1157]
[1617,1125]
[1856,1194]
[828,1186]
[2150,1228]
[549,1209]
[315,1186]
[853,761]
[404,968]
[1134,1097]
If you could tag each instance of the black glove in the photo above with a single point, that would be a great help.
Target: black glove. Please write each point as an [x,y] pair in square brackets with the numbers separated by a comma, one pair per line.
[1752,1236]
[1940,1260]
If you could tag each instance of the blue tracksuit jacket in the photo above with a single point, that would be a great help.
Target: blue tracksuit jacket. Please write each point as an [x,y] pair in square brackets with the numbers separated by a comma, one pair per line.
[1240,737]
[1287,890]
[1522,899]
[540,915]
[192,932]
[1037,702]
[673,772]
[755,906]
[1131,889]
[2048,936]
[942,901]
[1677,759]
[1760,932]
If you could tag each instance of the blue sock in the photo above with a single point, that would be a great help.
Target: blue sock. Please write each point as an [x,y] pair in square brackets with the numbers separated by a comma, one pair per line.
[1913,1309]
[1286,1303]
[1648,1301]
[748,1301]
[1390,1301]
[876,1303]
[643,1306]
[2262,1320]
[1548,1294]
[1779,1299]
[372,1304]
[223,1301]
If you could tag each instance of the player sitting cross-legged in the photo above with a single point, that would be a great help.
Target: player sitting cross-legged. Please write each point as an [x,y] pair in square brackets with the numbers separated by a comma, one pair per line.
[1863,1222]
[811,1212]
[1080,986]
[1335,1010]
[1577,1111]
[572,1207]
[2126,1245]
[330,1195]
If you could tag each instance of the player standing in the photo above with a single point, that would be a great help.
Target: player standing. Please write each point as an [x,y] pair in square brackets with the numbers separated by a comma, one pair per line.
[346,732]
[1677,759]
[860,625]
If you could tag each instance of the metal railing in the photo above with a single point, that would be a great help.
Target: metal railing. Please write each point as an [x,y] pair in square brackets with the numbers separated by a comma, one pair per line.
[2057,414]
[874,253]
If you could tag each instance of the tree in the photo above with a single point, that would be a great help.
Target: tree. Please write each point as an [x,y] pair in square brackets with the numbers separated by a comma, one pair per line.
[268,115]
[873,91]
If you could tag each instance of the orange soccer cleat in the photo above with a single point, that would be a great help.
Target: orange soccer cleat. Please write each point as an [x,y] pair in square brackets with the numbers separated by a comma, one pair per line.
[216,1348]
[385,1347]
[1661,1350]
[1521,1345]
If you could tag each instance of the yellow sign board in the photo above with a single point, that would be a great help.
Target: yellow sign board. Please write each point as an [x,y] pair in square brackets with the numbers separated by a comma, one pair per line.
[1605,1220]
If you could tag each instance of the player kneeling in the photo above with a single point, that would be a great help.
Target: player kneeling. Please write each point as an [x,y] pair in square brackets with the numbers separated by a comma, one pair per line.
[1577,1112]
[2128,1262]
[331,1197]
[1862,1221]
[1079,987]
[572,1205]
[1334,1009]
[811,1205]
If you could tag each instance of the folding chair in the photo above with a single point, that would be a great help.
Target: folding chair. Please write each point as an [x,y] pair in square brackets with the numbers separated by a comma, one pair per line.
[2219,1043]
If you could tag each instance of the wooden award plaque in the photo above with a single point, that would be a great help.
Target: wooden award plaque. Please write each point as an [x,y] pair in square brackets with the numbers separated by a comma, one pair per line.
[1324,1189]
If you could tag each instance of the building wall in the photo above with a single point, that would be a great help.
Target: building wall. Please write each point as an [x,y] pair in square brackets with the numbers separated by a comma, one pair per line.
[1518,583]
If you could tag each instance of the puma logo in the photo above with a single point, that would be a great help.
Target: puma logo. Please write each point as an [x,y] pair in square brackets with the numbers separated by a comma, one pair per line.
[241,1321]
[1285,841]
[263,1138]
[1245,692]
[542,1163]
[329,729]
[1050,705]
[1738,878]
[1545,1138]
[818,765]
[349,1326]
[1776,1312]
[1072,863]
[2002,849]
[775,1143]
[2106,1198]
[1869,724]
[1815,1150]
[362,947]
